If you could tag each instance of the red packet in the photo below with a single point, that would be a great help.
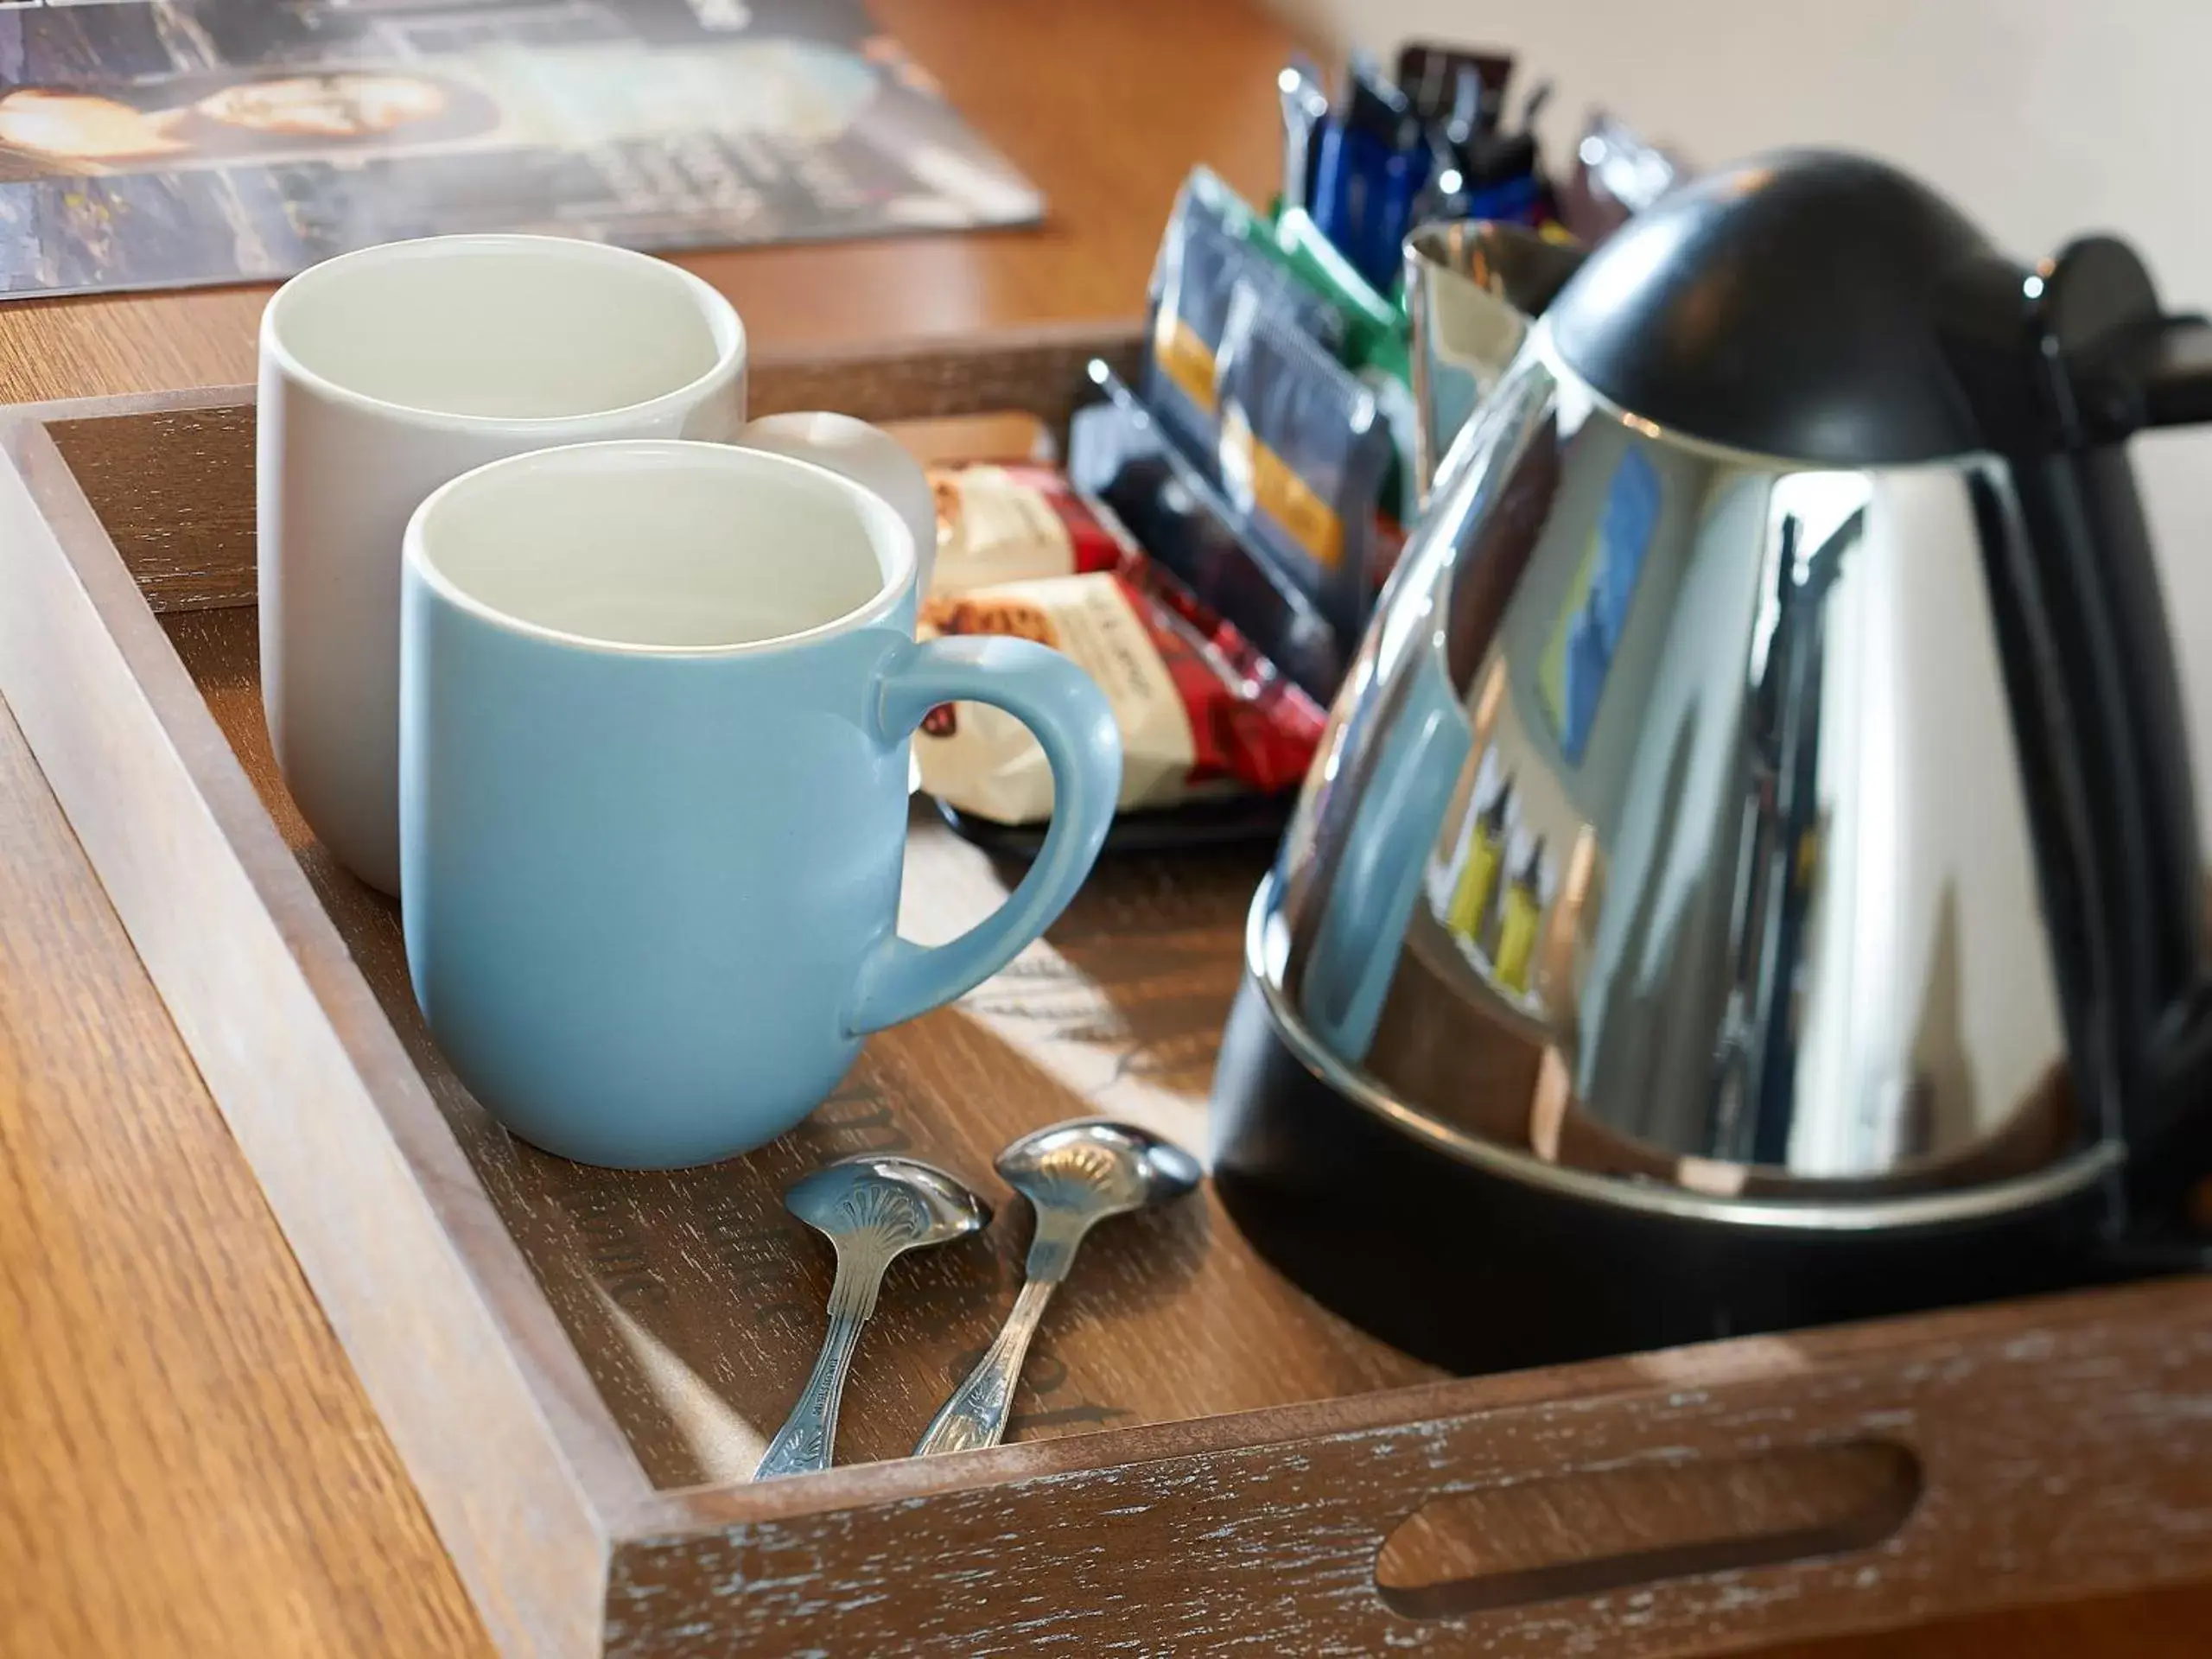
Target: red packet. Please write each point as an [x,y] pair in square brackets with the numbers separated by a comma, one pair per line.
[1202,714]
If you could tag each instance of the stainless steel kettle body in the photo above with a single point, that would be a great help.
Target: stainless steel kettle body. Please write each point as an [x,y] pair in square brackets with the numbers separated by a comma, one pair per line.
[1685,778]
[1750,876]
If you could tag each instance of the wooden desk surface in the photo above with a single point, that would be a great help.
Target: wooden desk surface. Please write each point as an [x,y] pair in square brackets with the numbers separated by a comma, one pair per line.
[188,1465]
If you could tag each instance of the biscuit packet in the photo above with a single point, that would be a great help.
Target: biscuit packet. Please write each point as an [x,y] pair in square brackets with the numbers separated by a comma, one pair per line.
[1015,522]
[1202,715]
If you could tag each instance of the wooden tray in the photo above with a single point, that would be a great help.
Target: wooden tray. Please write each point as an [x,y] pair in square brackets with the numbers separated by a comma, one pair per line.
[580,1366]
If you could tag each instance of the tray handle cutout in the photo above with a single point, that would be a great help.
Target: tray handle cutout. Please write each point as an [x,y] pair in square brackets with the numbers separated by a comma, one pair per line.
[1600,1531]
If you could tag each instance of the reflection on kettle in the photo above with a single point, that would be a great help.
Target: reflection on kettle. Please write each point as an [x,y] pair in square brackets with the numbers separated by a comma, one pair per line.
[1472,287]
[1754,852]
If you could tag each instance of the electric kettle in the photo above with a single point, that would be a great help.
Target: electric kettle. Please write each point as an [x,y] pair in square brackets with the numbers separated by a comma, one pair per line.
[1749,877]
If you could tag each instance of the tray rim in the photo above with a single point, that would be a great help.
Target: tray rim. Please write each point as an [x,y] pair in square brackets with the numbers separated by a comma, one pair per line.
[105,644]
[120,672]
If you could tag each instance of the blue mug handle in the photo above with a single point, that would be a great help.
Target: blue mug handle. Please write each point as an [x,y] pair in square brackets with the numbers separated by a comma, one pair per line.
[1070,715]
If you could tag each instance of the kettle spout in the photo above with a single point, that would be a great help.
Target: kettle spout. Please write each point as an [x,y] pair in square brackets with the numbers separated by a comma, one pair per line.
[1472,287]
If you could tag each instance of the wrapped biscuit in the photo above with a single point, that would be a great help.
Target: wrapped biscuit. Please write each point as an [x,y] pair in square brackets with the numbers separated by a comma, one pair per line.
[1202,715]
[1018,522]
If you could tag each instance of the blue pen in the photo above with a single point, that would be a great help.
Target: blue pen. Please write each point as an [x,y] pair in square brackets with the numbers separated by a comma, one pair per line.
[1373,162]
[1381,256]
[1513,202]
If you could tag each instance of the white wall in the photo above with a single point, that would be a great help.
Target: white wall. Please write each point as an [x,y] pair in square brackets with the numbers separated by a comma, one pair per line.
[2040,118]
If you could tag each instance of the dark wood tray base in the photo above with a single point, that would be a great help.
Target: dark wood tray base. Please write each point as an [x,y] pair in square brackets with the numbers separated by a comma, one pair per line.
[578,1366]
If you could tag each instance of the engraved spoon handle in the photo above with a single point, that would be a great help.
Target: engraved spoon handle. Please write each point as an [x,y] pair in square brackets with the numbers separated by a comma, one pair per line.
[809,1436]
[976,1414]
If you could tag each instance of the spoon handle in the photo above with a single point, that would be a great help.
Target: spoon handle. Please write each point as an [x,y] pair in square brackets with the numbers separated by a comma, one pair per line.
[977,1413]
[808,1435]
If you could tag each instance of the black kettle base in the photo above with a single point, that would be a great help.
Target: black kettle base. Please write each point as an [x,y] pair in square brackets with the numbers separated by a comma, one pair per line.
[1475,1270]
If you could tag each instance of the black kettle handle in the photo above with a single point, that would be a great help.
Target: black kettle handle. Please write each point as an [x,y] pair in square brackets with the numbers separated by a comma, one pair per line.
[2169,370]
[2096,695]
[2121,364]
[2130,365]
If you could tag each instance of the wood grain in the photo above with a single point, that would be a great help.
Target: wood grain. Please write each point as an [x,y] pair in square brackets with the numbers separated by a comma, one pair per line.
[145,480]
[190,1468]
[685,1294]
[347,1145]
[1220,1547]
[1622,1526]
[189,1465]
[2167,1624]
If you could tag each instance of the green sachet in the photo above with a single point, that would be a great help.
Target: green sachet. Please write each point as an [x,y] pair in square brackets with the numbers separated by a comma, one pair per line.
[1375,328]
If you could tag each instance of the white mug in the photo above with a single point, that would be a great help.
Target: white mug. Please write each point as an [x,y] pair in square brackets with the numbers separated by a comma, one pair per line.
[386,373]
[869,456]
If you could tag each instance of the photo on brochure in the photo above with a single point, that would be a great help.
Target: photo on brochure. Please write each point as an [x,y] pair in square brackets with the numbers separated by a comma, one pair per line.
[149,143]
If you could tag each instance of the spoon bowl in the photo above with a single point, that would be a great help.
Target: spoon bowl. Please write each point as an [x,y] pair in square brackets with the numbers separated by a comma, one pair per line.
[1105,1169]
[895,1205]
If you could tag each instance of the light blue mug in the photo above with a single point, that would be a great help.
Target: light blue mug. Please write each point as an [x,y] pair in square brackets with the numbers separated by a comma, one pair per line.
[655,703]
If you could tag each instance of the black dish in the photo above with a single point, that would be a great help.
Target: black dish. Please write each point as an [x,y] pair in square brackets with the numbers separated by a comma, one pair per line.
[1241,821]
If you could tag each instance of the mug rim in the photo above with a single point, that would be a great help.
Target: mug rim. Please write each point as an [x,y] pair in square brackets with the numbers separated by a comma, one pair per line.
[884,525]
[723,320]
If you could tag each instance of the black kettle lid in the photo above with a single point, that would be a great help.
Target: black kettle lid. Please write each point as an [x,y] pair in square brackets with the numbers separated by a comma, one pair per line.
[1793,305]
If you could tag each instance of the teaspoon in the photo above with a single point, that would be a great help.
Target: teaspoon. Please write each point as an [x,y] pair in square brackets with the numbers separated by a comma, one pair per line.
[872,1211]
[1075,1175]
